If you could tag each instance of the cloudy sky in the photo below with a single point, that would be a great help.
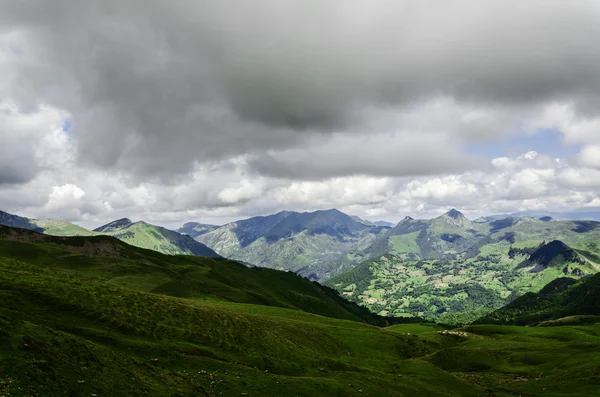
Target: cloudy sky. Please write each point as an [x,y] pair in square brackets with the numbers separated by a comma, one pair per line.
[181,110]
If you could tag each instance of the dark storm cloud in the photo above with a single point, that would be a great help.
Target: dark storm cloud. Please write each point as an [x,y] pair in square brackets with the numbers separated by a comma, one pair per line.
[17,154]
[154,85]
[377,155]
[16,173]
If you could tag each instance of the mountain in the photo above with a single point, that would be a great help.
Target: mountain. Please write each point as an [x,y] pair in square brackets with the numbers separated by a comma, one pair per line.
[195,229]
[114,225]
[383,223]
[453,270]
[313,244]
[553,254]
[91,315]
[580,214]
[61,228]
[17,221]
[563,301]
[456,218]
[448,235]
[182,276]
[145,235]
[139,234]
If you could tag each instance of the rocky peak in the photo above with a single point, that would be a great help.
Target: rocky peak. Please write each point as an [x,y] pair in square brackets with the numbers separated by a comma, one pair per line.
[406,219]
[456,218]
[455,214]
[118,224]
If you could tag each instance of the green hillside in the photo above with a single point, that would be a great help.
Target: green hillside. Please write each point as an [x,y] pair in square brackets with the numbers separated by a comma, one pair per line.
[452,270]
[111,261]
[316,244]
[92,316]
[139,234]
[563,301]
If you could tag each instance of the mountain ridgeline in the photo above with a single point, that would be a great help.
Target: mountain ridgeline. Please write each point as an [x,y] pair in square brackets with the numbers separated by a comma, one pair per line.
[18,221]
[139,234]
[447,269]
[314,244]
[187,276]
[454,270]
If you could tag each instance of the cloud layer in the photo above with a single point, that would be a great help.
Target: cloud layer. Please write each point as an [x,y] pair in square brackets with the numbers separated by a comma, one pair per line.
[223,109]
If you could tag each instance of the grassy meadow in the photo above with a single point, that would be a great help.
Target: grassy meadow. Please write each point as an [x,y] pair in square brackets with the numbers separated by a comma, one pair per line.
[93,316]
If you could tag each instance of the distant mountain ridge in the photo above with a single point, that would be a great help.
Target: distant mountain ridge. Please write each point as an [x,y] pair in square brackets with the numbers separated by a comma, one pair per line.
[114,225]
[139,234]
[195,229]
[314,244]
[449,268]
[18,221]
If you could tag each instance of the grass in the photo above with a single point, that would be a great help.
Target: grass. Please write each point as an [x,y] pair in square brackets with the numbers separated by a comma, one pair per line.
[78,322]
[190,277]
[561,298]
[556,361]
[394,284]
[67,333]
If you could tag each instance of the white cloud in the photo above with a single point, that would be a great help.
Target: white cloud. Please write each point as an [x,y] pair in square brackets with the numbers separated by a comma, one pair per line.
[180,114]
[590,155]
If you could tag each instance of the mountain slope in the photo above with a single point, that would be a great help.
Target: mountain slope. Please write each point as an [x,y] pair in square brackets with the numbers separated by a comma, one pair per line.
[114,225]
[144,235]
[81,316]
[563,297]
[555,254]
[313,244]
[450,235]
[18,221]
[139,234]
[195,229]
[119,263]
[454,270]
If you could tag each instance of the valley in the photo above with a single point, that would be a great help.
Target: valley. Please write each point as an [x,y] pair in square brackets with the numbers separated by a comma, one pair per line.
[454,272]
[90,315]
[447,269]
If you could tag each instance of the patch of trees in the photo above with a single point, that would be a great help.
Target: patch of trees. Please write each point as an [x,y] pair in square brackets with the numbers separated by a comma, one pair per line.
[513,252]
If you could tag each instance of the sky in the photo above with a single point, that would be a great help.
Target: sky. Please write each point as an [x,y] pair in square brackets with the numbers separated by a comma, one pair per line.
[213,111]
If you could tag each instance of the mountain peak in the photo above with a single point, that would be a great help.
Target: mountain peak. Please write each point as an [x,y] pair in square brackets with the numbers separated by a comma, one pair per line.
[406,219]
[455,214]
[554,252]
[117,224]
[456,218]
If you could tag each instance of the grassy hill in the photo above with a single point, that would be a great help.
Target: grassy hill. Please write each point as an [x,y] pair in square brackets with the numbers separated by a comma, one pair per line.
[139,234]
[563,301]
[111,261]
[94,316]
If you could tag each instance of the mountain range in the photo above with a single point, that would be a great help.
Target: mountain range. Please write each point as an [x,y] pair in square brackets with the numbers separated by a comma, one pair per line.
[139,234]
[91,315]
[453,270]
[448,269]
[316,244]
